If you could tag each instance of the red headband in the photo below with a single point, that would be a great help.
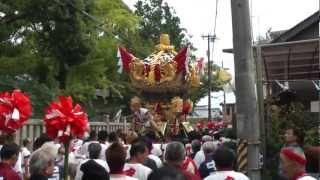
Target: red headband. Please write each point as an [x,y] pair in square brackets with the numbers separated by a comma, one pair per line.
[294,156]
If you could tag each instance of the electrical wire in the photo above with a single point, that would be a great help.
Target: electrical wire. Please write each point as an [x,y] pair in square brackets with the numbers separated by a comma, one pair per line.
[214,29]
[215,18]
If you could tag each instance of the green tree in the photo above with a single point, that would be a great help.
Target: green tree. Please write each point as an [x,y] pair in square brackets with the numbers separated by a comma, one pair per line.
[40,95]
[157,17]
[68,46]
[281,116]
[215,85]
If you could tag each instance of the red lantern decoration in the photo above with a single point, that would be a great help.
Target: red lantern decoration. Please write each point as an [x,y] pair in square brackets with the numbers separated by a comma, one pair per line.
[15,109]
[64,121]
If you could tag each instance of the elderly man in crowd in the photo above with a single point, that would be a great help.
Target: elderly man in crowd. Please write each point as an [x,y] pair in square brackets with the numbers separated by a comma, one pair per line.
[44,143]
[174,156]
[208,166]
[293,164]
[200,157]
[41,165]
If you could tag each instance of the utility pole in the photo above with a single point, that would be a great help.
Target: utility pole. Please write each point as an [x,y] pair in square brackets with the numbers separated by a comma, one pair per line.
[224,101]
[260,90]
[245,79]
[210,38]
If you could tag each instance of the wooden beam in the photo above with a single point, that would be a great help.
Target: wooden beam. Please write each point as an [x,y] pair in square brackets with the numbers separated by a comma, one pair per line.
[269,60]
[287,69]
[307,41]
[270,68]
[297,73]
[285,52]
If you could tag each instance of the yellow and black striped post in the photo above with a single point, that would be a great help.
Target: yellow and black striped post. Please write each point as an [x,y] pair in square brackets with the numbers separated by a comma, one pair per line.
[242,156]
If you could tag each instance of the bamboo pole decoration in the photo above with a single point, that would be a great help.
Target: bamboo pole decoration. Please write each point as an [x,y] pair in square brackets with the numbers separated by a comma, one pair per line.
[66,161]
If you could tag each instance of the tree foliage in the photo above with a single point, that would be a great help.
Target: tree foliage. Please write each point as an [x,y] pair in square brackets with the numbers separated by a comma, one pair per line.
[70,47]
[216,84]
[40,95]
[278,118]
[62,45]
[291,115]
[157,17]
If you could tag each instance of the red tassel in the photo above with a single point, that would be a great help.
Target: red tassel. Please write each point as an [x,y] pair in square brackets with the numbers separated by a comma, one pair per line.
[157,72]
[181,58]
[146,69]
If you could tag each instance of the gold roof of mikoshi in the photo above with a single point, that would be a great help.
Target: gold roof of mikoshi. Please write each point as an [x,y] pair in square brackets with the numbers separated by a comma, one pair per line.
[162,71]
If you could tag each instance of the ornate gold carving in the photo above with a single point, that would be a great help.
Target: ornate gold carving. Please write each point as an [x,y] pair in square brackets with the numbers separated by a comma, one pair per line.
[176,104]
[168,71]
[194,78]
[188,127]
[151,76]
[224,76]
[164,43]
[137,70]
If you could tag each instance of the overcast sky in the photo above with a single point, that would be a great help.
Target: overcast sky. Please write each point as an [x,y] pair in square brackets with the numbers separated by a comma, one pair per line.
[198,18]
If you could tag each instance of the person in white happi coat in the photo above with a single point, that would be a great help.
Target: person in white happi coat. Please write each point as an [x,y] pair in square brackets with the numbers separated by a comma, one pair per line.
[116,157]
[92,139]
[224,159]
[94,153]
[134,168]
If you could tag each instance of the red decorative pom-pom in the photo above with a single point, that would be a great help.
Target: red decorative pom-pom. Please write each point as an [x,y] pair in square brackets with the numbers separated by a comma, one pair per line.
[211,125]
[64,121]
[15,109]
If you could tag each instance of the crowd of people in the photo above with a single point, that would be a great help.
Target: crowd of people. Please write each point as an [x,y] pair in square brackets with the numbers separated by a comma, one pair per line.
[129,156]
